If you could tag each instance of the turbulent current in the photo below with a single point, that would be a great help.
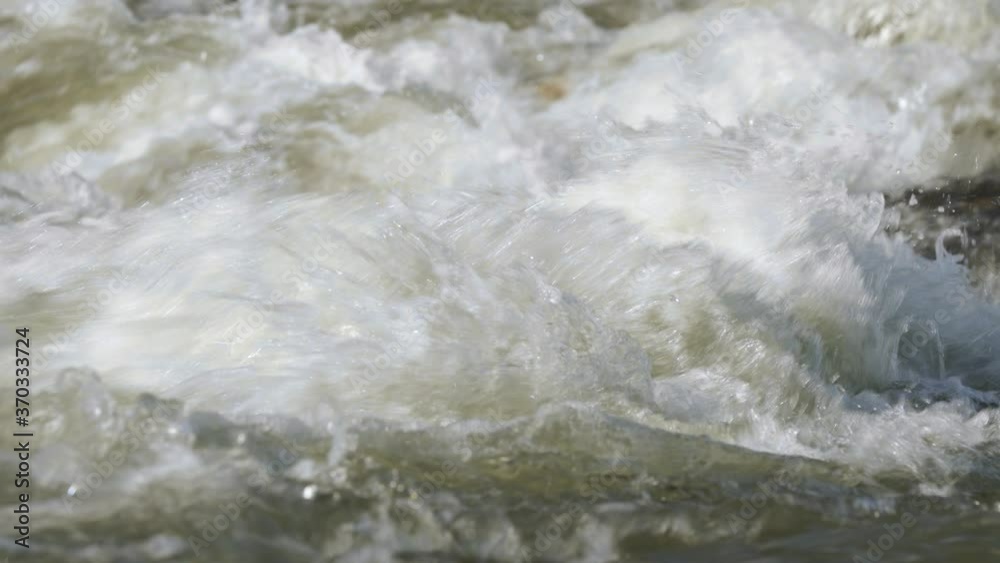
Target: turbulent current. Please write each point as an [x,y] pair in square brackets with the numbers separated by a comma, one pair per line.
[439,280]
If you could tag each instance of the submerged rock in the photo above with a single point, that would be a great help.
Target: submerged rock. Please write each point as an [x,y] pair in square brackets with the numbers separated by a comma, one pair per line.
[959,217]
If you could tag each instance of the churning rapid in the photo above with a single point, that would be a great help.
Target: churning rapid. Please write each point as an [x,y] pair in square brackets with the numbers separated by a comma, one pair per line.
[427,280]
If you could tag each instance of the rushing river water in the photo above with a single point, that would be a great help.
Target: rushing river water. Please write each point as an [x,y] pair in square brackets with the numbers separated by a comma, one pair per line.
[439,280]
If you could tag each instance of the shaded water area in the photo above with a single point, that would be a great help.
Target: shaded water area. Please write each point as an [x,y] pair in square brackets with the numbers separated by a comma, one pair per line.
[444,280]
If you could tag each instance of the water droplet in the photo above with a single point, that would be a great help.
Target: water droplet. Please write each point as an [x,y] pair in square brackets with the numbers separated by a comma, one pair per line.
[309,492]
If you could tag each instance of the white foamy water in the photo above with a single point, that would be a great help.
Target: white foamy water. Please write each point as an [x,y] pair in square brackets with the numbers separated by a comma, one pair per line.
[582,230]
